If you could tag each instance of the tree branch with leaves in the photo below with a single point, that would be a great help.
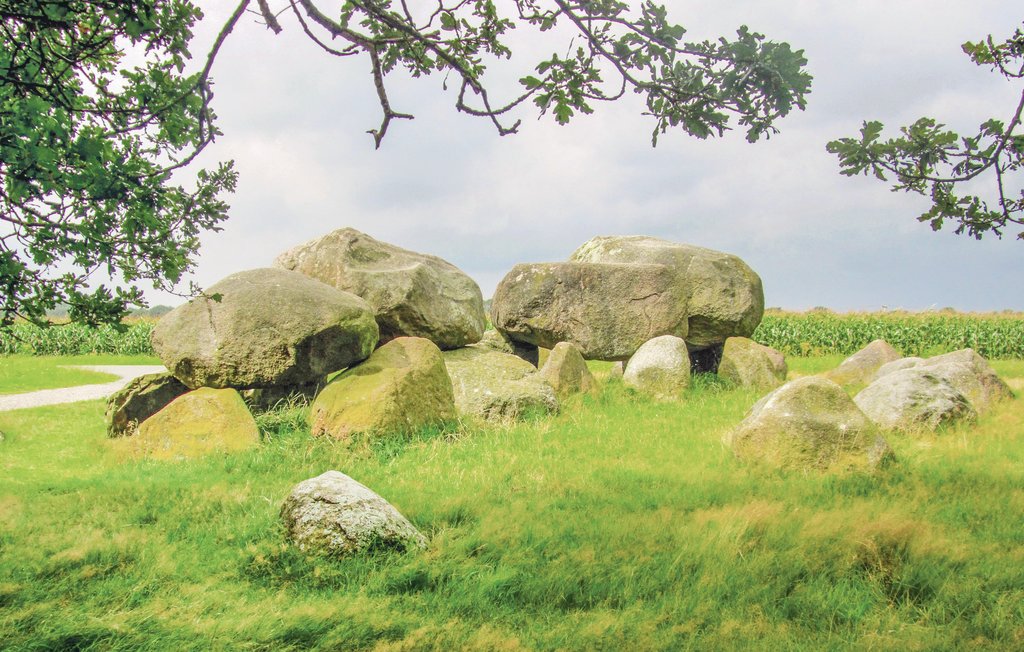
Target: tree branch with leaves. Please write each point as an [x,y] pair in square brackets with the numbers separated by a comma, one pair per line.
[92,149]
[931,160]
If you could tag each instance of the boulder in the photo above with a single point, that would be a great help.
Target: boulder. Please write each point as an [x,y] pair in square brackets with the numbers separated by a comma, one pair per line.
[497,386]
[412,294]
[809,423]
[971,375]
[566,371]
[617,371]
[912,400]
[140,399]
[660,368]
[270,327]
[746,363]
[607,310]
[336,516]
[401,387]
[723,295]
[897,365]
[198,423]
[495,340]
[860,367]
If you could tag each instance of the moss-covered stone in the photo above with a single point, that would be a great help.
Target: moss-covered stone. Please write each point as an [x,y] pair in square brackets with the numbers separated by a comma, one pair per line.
[271,327]
[140,399]
[914,400]
[723,295]
[201,422]
[607,310]
[412,294]
[746,363]
[497,386]
[809,423]
[861,367]
[402,386]
[566,371]
[660,368]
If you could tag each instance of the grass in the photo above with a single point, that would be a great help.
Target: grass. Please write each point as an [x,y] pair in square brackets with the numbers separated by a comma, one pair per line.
[619,524]
[26,373]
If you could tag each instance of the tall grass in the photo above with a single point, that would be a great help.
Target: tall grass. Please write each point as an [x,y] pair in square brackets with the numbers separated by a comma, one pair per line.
[822,332]
[619,524]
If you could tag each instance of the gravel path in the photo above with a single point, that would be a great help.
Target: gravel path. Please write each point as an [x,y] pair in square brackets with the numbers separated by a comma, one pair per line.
[42,397]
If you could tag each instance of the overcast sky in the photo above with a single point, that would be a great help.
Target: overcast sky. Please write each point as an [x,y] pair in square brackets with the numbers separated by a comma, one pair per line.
[295,121]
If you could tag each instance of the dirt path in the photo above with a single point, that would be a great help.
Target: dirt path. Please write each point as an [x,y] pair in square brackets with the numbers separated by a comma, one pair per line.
[42,397]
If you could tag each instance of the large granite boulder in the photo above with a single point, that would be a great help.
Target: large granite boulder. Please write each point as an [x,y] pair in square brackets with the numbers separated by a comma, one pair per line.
[971,375]
[860,368]
[913,400]
[607,310]
[401,387]
[809,423]
[497,386]
[333,515]
[722,294]
[270,327]
[198,423]
[140,399]
[897,365]
[660,368]
[746,363]
[412,294]
[567,372]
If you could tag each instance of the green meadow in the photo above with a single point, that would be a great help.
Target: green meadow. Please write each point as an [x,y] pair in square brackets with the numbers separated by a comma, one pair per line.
[621,523]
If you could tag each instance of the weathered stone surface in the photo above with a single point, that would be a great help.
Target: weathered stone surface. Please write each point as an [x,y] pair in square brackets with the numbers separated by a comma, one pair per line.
[401,387]
[497,386]
[334,515]
[617,371]
[809,423]
[912,400]
[897,365]
[412,294]
[271,327]
[198,423]
[140,399]
[495,340]
[660,368]
[862,365]
[971,375]
[607,310]
[749,364]
[723,295]
[566,371]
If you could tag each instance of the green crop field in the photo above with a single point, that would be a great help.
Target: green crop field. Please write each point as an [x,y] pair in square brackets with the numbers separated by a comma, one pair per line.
[621,523]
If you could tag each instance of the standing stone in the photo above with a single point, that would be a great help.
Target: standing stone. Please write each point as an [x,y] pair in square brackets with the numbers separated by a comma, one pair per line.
[138,400]
[198,423]
[334,515]
[566,371]
[913,400]
[497,387]
[401,387]
[809,423]
[660,368]
[607,310]
[746,363]
[412,294]
[862,365]
[270,327]
[723,295]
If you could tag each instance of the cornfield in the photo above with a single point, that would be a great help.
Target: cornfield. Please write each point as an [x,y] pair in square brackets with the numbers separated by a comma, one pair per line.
[77,339]
[821,332]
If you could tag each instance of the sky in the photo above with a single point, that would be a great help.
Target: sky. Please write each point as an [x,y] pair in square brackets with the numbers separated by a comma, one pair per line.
[295,121]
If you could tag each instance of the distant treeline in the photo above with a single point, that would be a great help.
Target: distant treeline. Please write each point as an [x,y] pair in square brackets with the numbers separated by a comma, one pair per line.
[821,332]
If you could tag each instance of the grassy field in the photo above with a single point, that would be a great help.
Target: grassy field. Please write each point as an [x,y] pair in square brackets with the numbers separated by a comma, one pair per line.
[619,524]
[24,373]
